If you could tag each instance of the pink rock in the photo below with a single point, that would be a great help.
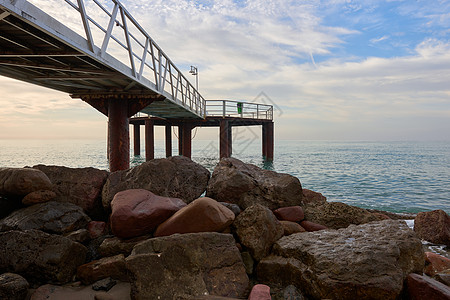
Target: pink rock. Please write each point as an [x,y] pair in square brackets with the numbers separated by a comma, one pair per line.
[291,213]
[96,229]
[137,212]
[40,196]
[435,263]
[311,226]
[260,292]
[291,227]
[201,215]
[422,287]
[433,226]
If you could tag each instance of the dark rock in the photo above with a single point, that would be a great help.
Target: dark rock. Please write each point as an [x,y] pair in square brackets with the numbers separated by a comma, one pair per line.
[40,257]
[201,215]
[245,185]
[97,229]
[185,266]
[337,215]
[422,287]
[291,227]
[433,226]
[435,263]
[311,226]
[80,186]
[51,217]
[113,266]
[257,229]
[19,182]
[443,277]
[138,212]
[13,287]
[7,206]
[292,213]
[80,236]
[313,198]
[260,292]
[233,207]
[113,245]
[248,262]
[175,177]
[93,247]
[104,284]
[292,293]
[368,261]
[38,197]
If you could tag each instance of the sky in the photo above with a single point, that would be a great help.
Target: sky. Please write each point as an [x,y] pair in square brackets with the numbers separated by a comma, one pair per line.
[335,70]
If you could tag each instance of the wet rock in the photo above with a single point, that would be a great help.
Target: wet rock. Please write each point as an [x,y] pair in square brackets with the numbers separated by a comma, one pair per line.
[313,198]
[201,215]
[40,257]
[184,266]
[422,287]
[368,261]
[80,186]
[435,263]
[291,227]
[337,215]
[113,245]
[13,287]
[233,207]
[433,226]
[175,177]
[51,217]
[38,197]
[292,213]
[257,229]
[19,182]
[104,284]
[260,292]
[311,226]
[138,212]
[113,267]
[120,291]
[246,184]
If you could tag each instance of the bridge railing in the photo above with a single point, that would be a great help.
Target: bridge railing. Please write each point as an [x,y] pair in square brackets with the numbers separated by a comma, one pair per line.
[110,28]
[238,109]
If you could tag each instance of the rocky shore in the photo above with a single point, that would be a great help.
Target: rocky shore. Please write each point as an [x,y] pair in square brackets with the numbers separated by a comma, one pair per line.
[168,229]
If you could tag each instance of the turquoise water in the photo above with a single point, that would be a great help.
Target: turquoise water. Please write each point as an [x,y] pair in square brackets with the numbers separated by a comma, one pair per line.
[394,176]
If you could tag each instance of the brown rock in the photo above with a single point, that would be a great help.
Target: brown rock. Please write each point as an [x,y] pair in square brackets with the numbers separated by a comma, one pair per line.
[175,177]
[19,182]
[435,263]
[138,212]
[184,266]
[114,245]
[260,292]
[433,226]
[96,229]
[38,197]
[313,198]
[291,227]
[246,184]
[80,236]
[13,287]
[257,229]
[80,186]
[311,226]
[202,215]
[113,267]
[422,287]
[291,213]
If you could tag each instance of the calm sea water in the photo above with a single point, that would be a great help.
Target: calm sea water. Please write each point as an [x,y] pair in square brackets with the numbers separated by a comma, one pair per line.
[393,176]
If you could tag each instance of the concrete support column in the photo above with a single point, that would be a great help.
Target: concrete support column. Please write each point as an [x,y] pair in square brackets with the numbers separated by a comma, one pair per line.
[137,139]
[268,141]
[118,135]
[186,140]
[264,141]
[149,140]
[180,140]
[168,140]
[225,139]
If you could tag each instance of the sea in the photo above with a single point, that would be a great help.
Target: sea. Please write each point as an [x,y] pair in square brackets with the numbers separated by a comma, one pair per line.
[405,177]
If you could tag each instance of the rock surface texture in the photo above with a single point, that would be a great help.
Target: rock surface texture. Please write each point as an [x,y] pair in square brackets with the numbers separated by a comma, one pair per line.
[18,182]
[13,287]
[137,212]
[368,261]
[422,287]
[246,184]
[51,217]
[40,257]
[80,186]
[183,266]
[176,177]
[433,226]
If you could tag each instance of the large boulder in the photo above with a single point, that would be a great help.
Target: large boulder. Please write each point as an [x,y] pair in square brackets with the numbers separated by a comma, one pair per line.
[313,198]
[246,184]
[337,215]
[51,217]
[13,287]
[435,263]
[176,177]
[368,261]
[137,212]
[18,182]
[433,226]
[80,186]
[258,229]
[201,215]
[40,257]
[187,265]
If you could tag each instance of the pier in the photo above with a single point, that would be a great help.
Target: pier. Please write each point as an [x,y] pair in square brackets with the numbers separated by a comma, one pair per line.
[119,70]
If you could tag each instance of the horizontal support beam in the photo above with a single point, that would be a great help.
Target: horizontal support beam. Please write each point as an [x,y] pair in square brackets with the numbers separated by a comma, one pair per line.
[55,68]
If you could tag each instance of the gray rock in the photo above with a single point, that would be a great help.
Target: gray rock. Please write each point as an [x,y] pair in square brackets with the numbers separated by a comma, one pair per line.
[369,261]
[40,257]
[246,184]
[51,217]
[13,287]
[18,182]
[176,177]
[258,229]
[80,186]
[187,265]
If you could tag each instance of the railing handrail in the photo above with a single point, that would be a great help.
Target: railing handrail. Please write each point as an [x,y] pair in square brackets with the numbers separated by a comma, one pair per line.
[231,108]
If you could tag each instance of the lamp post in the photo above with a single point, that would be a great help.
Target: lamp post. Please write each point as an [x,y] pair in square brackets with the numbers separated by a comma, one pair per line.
[194,71]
